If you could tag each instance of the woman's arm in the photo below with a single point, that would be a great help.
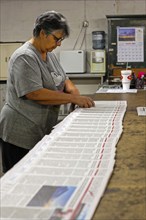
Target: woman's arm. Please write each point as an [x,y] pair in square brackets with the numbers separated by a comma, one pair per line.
[71,88]
[70,95]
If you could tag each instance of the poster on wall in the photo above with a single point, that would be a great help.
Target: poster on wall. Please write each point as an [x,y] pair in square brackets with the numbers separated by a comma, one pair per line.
[130,44]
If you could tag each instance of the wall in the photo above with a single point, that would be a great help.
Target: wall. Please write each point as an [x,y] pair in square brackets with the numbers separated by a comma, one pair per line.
[17,17]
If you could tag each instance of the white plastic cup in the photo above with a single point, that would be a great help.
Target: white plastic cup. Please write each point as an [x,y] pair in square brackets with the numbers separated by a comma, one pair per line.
[126,79]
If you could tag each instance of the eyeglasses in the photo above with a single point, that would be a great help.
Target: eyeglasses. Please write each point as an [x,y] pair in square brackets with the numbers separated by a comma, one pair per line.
[58,40]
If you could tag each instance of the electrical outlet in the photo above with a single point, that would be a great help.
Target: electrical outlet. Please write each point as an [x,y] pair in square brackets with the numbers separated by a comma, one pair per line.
[85,23]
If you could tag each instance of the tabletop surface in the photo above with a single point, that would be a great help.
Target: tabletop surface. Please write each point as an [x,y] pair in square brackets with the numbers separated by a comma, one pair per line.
[125,195]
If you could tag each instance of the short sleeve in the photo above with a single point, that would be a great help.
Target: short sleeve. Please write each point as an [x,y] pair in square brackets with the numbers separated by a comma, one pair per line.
[26,75]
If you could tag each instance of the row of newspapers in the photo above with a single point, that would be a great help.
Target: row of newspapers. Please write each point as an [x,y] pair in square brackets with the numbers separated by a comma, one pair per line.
[65,175]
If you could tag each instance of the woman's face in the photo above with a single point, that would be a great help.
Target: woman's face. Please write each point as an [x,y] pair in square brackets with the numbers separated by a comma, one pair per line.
[50,41]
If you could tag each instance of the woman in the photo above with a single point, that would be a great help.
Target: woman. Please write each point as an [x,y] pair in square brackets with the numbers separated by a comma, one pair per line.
[36,87]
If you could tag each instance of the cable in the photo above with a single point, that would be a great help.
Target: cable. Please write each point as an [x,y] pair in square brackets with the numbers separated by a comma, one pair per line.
[87,24]
[84,10]
[84,38]
[84,26]
[78,38]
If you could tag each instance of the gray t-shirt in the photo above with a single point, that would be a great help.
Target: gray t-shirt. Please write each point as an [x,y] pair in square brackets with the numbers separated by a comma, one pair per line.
[24,122]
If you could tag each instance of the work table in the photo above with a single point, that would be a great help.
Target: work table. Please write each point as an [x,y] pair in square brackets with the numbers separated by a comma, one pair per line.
[40,172]
[125,195]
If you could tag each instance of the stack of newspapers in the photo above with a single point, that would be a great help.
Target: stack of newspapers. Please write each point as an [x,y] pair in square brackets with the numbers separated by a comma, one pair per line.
[65,175]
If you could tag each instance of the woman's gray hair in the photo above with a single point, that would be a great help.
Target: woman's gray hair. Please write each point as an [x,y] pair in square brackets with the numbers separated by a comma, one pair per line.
[50,21]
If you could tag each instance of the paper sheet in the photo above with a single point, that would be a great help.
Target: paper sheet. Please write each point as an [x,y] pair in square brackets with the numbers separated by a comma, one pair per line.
[141,111]
[115,90]
[64,176]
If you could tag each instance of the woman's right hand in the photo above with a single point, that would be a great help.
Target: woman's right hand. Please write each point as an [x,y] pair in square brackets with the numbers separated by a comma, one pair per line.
[83,101]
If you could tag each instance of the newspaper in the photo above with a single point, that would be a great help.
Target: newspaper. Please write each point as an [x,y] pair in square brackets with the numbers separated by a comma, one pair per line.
[65,175]
[115,89]
[141,111]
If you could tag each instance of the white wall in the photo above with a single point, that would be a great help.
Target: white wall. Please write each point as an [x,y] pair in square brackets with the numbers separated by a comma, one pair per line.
[17,17]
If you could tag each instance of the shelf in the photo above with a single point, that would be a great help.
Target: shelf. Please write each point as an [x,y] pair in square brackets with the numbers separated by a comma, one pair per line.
[85,75]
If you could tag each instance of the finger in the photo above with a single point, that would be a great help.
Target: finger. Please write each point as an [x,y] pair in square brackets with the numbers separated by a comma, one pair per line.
[91,103]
